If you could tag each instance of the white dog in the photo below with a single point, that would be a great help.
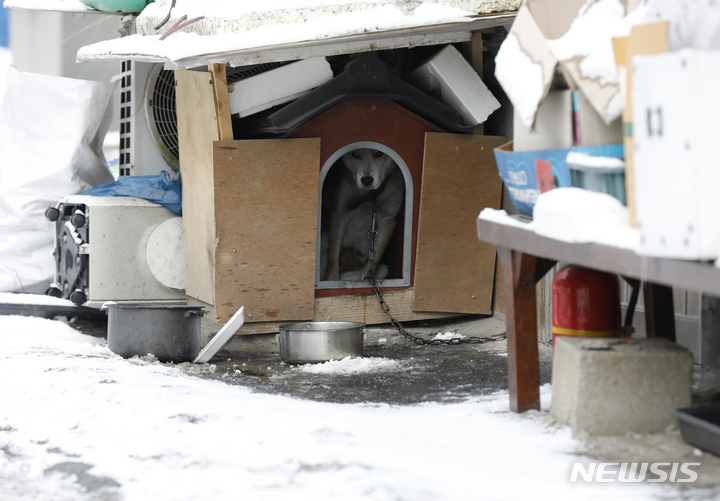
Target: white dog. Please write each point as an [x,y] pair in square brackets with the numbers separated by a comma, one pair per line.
[369,176]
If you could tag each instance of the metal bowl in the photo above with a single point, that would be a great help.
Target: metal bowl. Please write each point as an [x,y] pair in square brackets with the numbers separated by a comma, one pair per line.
[314,342]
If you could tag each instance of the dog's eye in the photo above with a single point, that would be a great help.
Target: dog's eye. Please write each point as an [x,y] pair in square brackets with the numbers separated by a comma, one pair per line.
[355,154]
[379,154]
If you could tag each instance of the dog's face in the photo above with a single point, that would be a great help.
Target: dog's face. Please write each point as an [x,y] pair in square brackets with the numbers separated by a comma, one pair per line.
[368,167]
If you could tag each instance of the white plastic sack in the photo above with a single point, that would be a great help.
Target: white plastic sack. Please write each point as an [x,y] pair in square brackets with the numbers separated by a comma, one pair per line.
[51,135]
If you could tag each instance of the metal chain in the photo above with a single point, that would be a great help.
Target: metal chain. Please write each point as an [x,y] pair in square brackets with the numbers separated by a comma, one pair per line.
[370,277]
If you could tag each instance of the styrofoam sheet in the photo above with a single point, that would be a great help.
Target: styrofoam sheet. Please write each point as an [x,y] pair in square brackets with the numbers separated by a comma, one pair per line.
[459,85]
[675,103]
[280,85]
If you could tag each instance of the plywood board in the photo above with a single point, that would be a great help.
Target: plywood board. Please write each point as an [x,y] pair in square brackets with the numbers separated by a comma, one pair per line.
[266,210]
[197,129]
[453,271]
[364,309]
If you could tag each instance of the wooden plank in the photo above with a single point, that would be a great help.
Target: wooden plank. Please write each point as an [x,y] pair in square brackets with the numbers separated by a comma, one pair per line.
[197,129]
[438,34]
[519,271]
[644,39]
[222,102]
[364,309]
[266,209]
[453,273]
[472,51]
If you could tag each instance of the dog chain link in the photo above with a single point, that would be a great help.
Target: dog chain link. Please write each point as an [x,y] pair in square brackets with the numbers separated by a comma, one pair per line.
[370,277]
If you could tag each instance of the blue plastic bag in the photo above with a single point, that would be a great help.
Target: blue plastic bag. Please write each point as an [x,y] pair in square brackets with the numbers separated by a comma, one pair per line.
[161,189]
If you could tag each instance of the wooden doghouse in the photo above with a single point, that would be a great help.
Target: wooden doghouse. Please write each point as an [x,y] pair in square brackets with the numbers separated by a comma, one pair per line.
[251,212]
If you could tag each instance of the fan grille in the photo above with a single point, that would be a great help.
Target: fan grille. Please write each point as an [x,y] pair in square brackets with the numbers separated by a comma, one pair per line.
[164,112]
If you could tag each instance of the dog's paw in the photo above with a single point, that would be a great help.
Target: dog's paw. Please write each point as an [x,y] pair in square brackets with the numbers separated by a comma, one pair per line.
[332,275]
[351,275]
[381,272]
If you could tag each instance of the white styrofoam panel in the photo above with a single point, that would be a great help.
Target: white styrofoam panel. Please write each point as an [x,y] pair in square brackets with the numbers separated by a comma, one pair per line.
[677,156]
[460,86]
[281,85]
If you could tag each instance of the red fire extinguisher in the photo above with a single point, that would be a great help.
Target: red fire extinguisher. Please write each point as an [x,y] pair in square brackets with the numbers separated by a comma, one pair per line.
[585,303]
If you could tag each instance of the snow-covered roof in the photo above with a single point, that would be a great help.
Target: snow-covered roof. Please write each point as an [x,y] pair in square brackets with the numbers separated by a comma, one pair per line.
[243,33]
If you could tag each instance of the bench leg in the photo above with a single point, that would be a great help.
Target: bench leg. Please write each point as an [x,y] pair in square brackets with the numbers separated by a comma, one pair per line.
[659,311]
[520,275]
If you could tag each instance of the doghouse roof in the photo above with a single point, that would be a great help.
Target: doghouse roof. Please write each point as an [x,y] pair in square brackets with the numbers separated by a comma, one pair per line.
[242,33]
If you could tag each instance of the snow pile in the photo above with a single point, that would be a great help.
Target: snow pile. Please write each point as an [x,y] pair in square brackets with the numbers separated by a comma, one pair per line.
[577,216]
[223,17]
[585,160]
[41,299]
[447,336]
[353,365]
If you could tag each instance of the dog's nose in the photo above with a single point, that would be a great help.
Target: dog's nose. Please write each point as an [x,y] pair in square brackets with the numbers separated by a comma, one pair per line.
[367,180]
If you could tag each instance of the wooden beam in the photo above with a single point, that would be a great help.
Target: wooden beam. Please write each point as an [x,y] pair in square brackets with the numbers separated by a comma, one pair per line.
[360,308]
[222,101]
[519,271]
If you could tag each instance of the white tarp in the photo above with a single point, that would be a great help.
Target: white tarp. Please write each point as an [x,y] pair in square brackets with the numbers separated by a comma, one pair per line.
[51,136]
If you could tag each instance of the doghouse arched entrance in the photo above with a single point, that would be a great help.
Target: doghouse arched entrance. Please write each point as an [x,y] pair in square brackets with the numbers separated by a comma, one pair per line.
[399,251]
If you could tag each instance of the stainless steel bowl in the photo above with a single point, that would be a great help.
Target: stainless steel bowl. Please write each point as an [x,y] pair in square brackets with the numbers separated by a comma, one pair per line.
[314,342]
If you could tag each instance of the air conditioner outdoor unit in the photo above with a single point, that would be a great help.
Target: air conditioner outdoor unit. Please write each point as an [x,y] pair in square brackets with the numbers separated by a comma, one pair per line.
[148,121]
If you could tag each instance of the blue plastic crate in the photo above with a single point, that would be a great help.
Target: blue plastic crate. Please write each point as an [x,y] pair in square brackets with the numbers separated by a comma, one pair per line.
[527,174]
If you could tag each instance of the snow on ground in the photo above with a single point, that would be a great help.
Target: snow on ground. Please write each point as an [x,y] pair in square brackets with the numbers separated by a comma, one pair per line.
[352,365]
[41,299]
[80,423]
[447,336]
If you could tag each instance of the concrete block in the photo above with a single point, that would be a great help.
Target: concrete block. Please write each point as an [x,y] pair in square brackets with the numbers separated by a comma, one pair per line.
[458,85]
[281,85]
[611,386]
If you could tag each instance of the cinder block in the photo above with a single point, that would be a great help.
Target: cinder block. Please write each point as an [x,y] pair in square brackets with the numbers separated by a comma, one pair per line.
[610,386]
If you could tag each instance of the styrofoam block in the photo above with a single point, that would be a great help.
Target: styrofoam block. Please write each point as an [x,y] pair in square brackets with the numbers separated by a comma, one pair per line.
[281,85]
[676,155]
[460,86]
[611,386]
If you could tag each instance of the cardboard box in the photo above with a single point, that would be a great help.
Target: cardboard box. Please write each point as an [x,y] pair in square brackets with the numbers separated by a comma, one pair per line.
[565,119]
[553,126]
[527,174]
[551,35]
